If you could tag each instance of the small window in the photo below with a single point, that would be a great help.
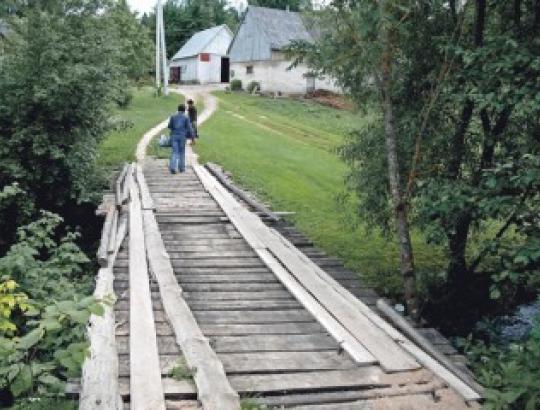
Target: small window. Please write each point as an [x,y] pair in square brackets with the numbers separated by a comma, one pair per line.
[232,73]
[249,69]
[205,57]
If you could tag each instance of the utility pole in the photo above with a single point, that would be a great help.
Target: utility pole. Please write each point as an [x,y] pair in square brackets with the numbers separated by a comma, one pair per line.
[161,51]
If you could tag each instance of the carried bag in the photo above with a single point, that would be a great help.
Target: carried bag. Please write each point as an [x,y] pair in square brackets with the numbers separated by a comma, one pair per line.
[164,141]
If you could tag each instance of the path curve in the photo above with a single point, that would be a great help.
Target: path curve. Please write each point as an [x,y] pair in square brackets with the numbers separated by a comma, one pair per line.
[195,93]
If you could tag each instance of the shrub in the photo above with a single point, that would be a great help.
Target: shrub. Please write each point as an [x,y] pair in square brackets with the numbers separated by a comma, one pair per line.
[510,374]
[253,87]
[43,313]
[236,85]
[50,137]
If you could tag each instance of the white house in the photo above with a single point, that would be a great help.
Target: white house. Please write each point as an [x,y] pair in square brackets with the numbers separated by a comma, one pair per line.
[203,59]
[256,52]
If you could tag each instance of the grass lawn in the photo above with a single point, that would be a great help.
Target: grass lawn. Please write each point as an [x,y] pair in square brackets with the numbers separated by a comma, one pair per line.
[145,112]
[284,151]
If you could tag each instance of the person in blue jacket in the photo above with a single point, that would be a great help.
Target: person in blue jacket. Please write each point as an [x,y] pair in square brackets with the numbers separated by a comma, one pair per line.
[181,129]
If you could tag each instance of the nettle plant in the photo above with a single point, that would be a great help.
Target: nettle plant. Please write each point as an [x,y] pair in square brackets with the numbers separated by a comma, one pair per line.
[43,310]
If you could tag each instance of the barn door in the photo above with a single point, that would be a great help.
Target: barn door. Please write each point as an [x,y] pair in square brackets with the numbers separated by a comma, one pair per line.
[225,69]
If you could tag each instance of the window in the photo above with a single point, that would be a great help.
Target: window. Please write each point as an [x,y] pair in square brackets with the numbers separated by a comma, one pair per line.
[232,73]
[205,57]
[249,69]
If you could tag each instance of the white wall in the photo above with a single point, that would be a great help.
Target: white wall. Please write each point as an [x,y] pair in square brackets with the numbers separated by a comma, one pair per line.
[210,71]
[190,67]
[274,76]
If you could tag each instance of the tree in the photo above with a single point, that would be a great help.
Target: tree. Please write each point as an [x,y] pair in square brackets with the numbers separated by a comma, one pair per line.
[58,76]
[361,54]
[461,84]
[293,5]
[136,49]
[184,18]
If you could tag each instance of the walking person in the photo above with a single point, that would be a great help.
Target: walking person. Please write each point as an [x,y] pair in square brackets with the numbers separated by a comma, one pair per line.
[180,130]
[192,114]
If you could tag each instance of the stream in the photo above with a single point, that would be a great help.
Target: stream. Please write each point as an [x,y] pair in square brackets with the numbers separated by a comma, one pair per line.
[512,327]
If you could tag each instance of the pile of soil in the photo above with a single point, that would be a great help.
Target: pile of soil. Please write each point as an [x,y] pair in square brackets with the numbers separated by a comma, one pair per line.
[330,99]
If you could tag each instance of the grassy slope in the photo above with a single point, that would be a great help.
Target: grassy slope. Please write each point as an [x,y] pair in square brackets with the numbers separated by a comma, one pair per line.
[285,152]
[145,112]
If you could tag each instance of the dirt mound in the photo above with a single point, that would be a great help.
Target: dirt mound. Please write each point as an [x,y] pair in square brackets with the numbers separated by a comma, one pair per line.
[330,99]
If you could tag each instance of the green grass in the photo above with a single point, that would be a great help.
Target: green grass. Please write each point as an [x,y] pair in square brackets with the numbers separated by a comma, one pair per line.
[145,112]
[284,151]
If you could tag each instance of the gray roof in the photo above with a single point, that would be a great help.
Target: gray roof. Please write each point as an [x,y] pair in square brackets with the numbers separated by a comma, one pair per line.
[263,30]
[198,42]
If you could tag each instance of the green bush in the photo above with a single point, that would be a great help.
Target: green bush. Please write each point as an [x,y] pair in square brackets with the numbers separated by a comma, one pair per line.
[54,114]
[511,375]
[236,85]
[253,87]
[43,313]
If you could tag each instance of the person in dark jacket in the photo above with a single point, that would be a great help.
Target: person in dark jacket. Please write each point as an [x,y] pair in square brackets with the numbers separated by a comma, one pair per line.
[192,114]
[180,130]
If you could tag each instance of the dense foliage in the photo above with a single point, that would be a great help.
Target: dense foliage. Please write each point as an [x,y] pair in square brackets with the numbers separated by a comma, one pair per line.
[183,18]
[43,316]
[63,66]
[510,374]
[464,89]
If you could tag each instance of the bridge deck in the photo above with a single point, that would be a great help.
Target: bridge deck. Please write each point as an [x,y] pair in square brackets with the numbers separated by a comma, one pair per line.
[274,351]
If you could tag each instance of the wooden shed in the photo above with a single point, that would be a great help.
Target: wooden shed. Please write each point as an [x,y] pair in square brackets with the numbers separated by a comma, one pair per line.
[203,59]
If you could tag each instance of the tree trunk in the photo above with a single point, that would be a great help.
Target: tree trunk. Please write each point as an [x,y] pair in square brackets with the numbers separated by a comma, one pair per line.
[400,207]
[457,244]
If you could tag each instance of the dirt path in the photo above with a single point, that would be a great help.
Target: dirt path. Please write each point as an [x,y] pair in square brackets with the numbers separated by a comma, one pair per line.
[194,92]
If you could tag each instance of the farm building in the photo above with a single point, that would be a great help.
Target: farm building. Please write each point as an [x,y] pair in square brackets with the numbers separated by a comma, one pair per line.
[203,59]
[256,52]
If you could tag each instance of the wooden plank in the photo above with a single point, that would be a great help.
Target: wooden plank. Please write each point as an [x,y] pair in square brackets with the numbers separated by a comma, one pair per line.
[214,169]
[146,198]
[264,239]
[146,390]
[212,254]
[230,287]
[172,388]
[123,316]
[275,343]
[126,189]
[261,329]
[269,294]
[118,186]
[244,304]
[273,362]
[244,278]
[99,382]
[218,263]
[308,381]
[460,381]
[112,237]
[214,390]
[240,316]
[103,250]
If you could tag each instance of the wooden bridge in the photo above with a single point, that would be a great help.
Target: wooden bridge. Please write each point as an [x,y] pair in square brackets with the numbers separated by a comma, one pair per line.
[220,305]
[207,291]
